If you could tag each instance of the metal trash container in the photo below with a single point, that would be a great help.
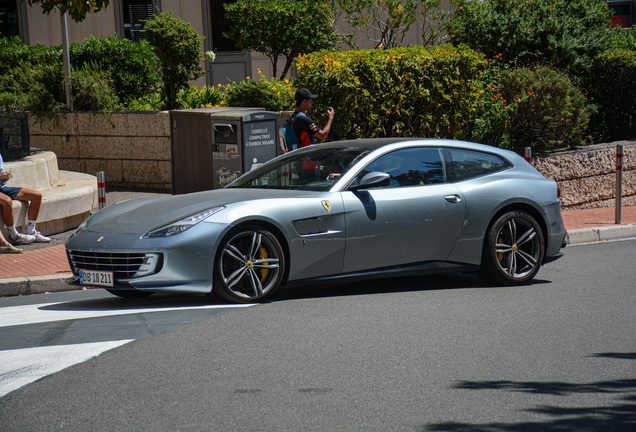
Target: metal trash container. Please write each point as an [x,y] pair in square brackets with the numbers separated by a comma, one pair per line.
[211,147]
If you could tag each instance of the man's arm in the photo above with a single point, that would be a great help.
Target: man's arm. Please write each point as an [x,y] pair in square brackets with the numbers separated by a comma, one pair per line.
[322,134]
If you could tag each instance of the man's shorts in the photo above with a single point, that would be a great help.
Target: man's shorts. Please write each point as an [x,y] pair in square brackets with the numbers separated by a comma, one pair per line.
[11,191]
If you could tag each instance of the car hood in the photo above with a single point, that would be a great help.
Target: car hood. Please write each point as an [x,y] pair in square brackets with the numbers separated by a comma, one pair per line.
[142,215]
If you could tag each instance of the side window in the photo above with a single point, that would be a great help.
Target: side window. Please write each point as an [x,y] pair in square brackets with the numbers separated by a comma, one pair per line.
[465,164]
[410,167]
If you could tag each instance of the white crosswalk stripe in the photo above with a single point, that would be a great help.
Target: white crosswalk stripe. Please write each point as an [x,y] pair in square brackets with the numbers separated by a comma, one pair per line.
[24,366]
[20,367]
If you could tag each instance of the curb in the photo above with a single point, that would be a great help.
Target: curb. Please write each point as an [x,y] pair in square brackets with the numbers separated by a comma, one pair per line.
[34,285]
[57,283]
[599,234]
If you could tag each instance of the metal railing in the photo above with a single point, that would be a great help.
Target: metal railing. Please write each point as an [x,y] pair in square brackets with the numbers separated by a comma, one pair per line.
[14,136]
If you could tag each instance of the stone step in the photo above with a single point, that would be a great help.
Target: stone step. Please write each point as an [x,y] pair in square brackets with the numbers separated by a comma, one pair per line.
[67,197]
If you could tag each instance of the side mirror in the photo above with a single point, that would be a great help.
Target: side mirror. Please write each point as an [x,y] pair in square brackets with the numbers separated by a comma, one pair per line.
[371,180]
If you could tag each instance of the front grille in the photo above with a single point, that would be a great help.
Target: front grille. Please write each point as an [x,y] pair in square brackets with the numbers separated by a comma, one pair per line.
[123,265]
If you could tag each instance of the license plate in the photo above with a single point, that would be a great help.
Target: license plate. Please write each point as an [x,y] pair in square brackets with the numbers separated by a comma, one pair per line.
[100,278]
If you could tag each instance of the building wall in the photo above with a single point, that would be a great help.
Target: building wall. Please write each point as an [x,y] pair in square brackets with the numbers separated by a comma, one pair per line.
[46,29]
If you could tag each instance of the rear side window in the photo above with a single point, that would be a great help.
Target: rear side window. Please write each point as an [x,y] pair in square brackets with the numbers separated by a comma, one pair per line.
[465,164]
[410,167]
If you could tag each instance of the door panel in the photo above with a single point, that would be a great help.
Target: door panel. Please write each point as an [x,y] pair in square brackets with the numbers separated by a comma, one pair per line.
[394,226]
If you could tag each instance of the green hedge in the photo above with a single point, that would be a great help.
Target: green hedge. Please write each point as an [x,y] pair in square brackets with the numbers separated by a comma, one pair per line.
[397,92]
[131,67]
[561,33]
[13,51]
[553,112]
[272,94]
[612,86]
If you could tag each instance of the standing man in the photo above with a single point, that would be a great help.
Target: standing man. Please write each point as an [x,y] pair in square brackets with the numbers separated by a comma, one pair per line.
[7,195]
[306,130]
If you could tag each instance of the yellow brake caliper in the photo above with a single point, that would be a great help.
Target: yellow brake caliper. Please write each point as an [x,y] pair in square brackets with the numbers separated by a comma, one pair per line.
[262,254]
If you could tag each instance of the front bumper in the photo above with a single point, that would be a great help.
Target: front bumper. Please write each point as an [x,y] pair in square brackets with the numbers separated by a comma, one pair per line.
[183,263]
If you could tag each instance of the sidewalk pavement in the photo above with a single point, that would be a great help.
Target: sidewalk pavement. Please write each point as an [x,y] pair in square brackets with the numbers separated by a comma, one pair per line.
[43,267]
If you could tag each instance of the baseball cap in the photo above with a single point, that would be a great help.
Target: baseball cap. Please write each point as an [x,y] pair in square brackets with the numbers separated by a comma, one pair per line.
[303,93]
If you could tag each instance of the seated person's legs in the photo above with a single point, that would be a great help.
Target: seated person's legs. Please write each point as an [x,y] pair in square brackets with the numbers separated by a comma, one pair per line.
[7,195]
[35,200]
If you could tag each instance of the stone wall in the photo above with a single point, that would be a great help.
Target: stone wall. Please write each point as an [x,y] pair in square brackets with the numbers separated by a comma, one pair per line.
[134,151]
[132,148]
[587,176]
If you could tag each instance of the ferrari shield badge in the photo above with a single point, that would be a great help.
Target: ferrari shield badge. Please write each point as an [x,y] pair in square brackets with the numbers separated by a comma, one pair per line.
[327,205]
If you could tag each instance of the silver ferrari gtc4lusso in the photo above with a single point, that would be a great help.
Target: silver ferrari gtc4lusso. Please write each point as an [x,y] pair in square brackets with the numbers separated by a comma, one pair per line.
[340,211]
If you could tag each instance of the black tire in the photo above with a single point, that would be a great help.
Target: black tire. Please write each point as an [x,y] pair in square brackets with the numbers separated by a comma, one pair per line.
[249,266]
[514,249]
[130,293]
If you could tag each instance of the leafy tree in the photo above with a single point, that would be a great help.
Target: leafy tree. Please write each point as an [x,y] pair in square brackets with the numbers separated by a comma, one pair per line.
[77,9]
[281,28]
[178,47]
[434,19]
[385,22]
[556,113]
[131,66]
[562,33]
[611,85]
[624,39]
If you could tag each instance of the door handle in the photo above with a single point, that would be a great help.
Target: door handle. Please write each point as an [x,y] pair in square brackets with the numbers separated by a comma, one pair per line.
[453,198]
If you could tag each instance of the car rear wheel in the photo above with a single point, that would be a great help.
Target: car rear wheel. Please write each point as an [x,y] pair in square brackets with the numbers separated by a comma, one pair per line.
[513,250]
[249,267]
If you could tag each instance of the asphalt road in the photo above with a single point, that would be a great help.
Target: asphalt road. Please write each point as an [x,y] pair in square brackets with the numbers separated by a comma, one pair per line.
[421,354]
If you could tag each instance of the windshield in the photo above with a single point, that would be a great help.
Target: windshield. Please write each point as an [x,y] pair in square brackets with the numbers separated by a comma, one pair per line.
[316,170]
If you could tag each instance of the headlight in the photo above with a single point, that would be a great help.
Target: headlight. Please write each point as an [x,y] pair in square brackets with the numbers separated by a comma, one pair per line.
[80,229]
[182,225]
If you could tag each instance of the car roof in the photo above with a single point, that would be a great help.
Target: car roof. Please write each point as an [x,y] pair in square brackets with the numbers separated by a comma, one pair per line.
[376,143]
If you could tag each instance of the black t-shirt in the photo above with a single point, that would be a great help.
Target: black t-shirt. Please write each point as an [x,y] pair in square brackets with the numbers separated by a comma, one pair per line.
[305,129]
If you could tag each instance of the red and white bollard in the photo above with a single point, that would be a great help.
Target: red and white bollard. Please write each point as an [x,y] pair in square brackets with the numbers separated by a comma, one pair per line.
[101,190]
[528,155]
[619,182]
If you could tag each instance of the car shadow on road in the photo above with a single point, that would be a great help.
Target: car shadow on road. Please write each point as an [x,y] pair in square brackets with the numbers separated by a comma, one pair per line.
[376,286]
[155,301]
[390,285]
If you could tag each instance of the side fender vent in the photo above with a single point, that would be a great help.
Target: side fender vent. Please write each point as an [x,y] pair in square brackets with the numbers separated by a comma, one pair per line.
[310,226]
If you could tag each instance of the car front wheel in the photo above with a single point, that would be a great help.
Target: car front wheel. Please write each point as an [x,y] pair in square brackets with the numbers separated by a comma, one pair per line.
[513,250]
[249,267]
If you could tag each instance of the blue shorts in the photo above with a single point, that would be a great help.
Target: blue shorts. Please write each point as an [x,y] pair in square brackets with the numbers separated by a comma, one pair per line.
[11,191]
